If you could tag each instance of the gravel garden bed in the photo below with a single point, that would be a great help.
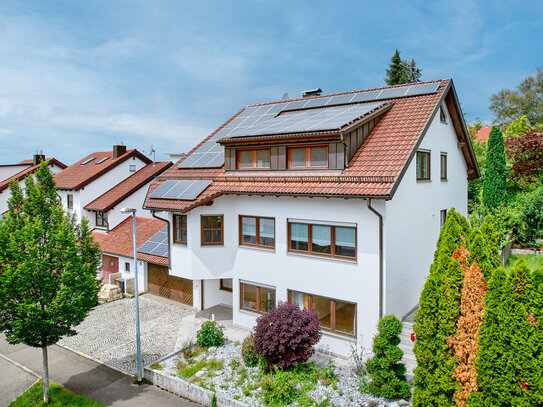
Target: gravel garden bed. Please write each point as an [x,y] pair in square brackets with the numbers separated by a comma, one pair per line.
[316,383]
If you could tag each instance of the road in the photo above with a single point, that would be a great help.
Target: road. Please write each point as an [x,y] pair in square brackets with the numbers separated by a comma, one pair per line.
[20,365]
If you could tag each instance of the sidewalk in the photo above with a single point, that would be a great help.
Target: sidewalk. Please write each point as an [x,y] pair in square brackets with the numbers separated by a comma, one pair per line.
[82,376]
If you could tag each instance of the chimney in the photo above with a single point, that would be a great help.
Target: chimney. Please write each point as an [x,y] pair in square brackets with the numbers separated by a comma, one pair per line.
[312,92]
[118,150]
[37,159]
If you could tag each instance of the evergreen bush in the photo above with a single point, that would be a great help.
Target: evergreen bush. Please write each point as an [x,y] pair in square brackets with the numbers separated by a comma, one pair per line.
[494,184]
[248,353]
[387,373]
[285,336]
[210,334]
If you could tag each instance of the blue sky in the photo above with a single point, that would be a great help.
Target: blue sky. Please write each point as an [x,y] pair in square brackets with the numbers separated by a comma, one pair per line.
[80,76]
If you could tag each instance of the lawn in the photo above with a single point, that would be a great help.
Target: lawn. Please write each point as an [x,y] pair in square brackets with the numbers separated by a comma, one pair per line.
[532,260]
[58,397]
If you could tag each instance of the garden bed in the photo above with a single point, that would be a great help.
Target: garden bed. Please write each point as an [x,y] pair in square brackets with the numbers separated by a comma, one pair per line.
[220,373]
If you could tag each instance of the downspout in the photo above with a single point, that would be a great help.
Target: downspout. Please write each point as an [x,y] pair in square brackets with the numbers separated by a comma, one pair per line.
[167,223]
[380,257]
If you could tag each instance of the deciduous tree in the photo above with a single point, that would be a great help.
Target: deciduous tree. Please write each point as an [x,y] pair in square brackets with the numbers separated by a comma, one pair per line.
[525,152]
[48,267]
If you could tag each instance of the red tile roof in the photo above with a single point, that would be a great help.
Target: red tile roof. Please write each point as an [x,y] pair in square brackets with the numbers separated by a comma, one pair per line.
[30,170]
[77,176]
[483,134]
[374,171]
[128,186]
[119,241]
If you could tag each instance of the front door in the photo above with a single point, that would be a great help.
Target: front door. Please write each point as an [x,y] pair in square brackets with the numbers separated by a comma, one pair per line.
[110,265]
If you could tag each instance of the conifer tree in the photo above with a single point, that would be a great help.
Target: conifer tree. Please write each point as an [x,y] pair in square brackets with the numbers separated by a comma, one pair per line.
[494,184]
[435,321]
[397,72]
[48,267]
[386,370]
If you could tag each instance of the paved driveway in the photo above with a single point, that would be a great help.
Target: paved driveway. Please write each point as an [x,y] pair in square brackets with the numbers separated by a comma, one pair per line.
[108,334]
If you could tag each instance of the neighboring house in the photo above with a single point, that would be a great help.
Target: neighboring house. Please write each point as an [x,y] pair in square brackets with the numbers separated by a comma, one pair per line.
[83,182]
[129,193]
[118,251]
[19,172]
[483,134]
[334,203]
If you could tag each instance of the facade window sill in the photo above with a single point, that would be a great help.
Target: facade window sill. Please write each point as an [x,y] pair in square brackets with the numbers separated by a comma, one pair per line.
[258,248]
[251,312]
[339,335]
[328,258]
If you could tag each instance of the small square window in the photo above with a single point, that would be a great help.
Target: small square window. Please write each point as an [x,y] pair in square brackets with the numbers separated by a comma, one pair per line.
[70,201]
[423,166]
[101,219]
[443,163]
[226,284]
[212,230]
[180,229]
[127,267]
[132,168]
[442,218]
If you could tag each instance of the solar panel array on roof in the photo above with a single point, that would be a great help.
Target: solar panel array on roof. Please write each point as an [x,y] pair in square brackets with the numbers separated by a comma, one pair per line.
[157,244]
[330,118]
[211,154]
[88,160]
[182,189]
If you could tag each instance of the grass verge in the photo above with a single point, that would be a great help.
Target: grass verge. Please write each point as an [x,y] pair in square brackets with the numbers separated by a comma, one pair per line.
[58,397]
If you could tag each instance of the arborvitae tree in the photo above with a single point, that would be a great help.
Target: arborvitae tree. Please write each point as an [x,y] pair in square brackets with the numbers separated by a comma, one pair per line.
[494,242]
[387,373]
[396,73]
[509,368]
[481,252]
[465,342]
[48,268]
[435,321]
[494,184]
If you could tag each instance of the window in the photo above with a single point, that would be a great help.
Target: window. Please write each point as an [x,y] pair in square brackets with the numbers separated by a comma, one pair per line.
[101,219]
[256,298]
[127,267]
[443,162]
[442,218]
[334,315]
[423,166]
[226,284]
[70,201]
[257,231]
[180,229]
[132,168]
[324,240]
[308,157]
[442,115]
[212,230]
[254,158]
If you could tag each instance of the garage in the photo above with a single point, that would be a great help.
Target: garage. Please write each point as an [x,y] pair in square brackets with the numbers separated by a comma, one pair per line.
[162,284]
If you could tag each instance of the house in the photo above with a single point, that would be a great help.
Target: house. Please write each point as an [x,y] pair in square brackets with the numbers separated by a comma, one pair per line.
[483,134]
[334,203]
[129,193]
[19,172]
[89,178]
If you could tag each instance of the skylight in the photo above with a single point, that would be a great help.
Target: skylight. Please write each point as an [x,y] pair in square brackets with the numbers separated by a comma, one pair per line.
[88,160]
[101,160]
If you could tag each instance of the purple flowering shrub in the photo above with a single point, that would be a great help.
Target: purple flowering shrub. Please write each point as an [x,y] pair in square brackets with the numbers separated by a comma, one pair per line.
[285,336]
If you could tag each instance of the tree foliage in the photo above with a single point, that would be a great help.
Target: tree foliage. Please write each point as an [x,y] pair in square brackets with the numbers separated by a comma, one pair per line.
[494,184]
[386,370]
[402,71]
[518,127]
[525,100]
[48,266]
[525,153]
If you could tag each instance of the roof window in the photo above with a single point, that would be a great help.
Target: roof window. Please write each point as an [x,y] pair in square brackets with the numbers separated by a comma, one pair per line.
[88,160]
[101,160]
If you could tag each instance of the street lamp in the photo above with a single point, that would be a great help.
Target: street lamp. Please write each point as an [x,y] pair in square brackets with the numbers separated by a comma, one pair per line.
[138,348]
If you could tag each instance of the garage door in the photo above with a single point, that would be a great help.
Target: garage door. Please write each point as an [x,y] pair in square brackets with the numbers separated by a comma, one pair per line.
[162,284]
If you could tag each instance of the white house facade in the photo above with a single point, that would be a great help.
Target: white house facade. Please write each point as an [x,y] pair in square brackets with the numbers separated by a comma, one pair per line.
[331,202]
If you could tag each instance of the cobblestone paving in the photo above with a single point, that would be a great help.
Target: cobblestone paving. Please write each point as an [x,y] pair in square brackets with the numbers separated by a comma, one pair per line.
[108,334]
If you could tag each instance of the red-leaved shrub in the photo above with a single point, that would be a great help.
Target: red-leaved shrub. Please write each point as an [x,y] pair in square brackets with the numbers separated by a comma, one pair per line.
[285,336]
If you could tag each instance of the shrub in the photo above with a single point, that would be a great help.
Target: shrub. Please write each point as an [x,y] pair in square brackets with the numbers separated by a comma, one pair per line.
[284,387]
[387,373]
[494,184]
[210,334]
[530,227]
[285,336]
[248,353]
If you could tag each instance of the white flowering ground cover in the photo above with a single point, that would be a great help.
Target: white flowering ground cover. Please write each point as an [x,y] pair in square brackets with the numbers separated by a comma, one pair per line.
[222,370]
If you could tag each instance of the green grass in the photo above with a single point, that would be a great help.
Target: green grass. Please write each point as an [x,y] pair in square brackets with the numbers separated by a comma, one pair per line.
[58,397]
[532,260]
[189,371]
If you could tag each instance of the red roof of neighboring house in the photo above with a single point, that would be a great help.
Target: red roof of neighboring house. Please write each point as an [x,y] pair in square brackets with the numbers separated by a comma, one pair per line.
[119,241]
[483,134]
[128,186]
[374,171]
[30,170]
[77,176]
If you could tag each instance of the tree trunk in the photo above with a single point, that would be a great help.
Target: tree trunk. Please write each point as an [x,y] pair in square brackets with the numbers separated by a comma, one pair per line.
[45,376]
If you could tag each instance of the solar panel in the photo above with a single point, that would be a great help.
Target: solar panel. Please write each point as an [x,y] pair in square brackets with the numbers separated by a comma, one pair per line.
[101,160]
[255,119]
[181,189]
[88,160]
[157,244]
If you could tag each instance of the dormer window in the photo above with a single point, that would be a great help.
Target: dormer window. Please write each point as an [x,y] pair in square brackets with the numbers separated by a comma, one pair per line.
[308,157]
[256,158]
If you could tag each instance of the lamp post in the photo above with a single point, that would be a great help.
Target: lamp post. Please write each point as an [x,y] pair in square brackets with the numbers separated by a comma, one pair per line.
[138,347]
